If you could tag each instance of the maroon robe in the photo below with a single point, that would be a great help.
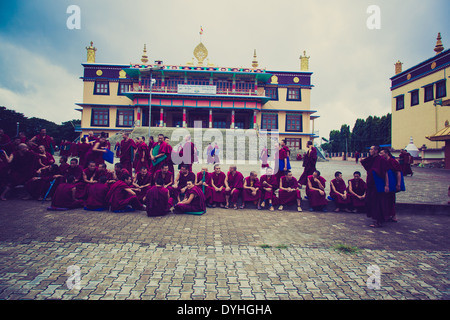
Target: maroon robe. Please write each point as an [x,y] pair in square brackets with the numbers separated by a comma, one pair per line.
[286,197]
[314,197]
[76,172]
[405,160]
[141,152]
[142,180]
[126,154]
[309,164]
[96,156]
[43,161]
[390,197]
[273,183]
[118,198]
[45,141]
[39,185]
[182,182]
[187,153]
[63,198]
[207,190]
[158,201]
[21,168]
[163,149]
[96,197]
[376,205]
[247,193]
[236,184]
[198,203]
[82,150]
[219,181]
[83,186]
[340,187]
[359,188]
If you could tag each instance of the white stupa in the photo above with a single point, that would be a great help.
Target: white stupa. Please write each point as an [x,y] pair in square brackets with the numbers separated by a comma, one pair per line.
[411,148]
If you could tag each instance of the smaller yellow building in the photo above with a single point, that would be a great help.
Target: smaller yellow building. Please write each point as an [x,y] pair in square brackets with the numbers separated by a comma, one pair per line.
[419,99]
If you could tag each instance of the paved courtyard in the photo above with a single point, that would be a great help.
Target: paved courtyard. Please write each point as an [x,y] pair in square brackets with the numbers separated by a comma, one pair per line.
[229,254]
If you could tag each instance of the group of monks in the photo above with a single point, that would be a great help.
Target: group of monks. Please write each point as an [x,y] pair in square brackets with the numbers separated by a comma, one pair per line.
[145,179]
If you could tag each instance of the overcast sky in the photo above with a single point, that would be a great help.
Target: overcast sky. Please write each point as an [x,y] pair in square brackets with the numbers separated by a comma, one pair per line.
[40,57]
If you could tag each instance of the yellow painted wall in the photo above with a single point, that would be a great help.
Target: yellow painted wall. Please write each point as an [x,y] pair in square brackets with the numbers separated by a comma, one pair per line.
[419,121]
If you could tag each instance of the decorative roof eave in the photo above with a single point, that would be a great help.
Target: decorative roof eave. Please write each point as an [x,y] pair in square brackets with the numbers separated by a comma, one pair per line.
[441,135]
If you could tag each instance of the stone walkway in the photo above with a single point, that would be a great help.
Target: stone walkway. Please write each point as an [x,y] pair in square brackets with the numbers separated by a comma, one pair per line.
[224,254]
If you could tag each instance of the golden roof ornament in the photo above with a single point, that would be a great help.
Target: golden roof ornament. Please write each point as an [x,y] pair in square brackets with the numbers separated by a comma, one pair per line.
[200,53]
[304,62]
[144,58]
[439,47]
[254,62]
[91,53]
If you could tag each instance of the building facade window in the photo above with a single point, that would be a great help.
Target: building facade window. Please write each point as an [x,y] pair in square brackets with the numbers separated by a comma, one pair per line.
[123,87]
[294,143]
[272,93]
[293,94]
[428,93]
[101,87]
[100,117]
[125,118]
[400,102]
[441,89]
[294,122]
[414,97]
[269,121]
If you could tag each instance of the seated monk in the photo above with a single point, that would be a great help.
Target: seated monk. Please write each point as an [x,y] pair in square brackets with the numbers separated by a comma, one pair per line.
[180,185]
[269,185]
[289,191]
[142,182]
[204,184]
[64,196]
[357,189]
[38,186]
[167,177]
[88,178]
[157,199]
[234,182]
[251,190]
[338,191]
[121,196]
[315,190]
[194,200]
[96,197]
[218,185]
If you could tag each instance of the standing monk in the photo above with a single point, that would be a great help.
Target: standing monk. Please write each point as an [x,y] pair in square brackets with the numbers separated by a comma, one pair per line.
[234,182]
[141,154]
[269,184]
[338,191]
[376,166]
[357,192]
[82,150]
[187,152]
[159,154]
[289,191]
[405,160]
[251,190]
[126,152]
[283,164]
[169,155]
[218,184]
[309,163]
[264,156]
[396,169]
[315,190]
[43,139]
[97,151]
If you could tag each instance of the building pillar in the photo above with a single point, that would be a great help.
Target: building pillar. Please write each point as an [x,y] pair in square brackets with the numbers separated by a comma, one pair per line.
[232,119]
[138,118]
[254,119]
[161,117]
[210,118]
[256,86]
[233,87]
[184,118]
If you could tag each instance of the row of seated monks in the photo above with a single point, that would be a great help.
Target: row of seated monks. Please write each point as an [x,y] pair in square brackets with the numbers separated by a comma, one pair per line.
[97,188]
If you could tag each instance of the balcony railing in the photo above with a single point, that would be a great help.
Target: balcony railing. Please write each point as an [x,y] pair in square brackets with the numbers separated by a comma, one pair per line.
[167,89]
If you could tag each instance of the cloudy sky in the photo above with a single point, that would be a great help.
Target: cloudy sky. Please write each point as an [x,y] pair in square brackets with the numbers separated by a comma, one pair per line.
[40,57]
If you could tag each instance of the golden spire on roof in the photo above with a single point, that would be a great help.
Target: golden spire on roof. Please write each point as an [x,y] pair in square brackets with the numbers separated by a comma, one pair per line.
[254,62]
[91,53]
[304,62]
[144,58]
[439,47]
[200,53]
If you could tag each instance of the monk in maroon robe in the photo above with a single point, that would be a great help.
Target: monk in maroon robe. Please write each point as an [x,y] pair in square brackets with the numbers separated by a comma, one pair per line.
[159,154]
[234,184]
[82,149]
[142,182]
[251,190]
[43,158]
[167,178]
[390,196]
[38,186]
[127,147]
[282,166]
[309,163]
[194,200]
[218,184]
[315,191]
[180,184]
[64,196]
[338,191]
[269,184]
[88,178]
[121,196]
[376,204]
[42,139]
[4,171]
[96,197]
[357,189]
[406,159]
[204,184]
[169,153]
[74,170]
[157,199]
[97,151]
[187,153]
[289,191]
[140,154]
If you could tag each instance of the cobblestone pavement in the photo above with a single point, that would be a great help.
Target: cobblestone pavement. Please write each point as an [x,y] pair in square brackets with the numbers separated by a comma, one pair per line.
[223,254]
